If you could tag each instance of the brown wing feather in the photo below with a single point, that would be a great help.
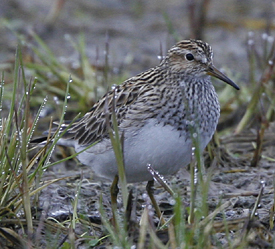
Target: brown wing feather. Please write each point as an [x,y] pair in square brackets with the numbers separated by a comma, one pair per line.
[92,127]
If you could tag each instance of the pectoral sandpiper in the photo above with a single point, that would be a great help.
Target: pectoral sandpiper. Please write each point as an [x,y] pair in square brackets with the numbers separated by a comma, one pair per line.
[155,110]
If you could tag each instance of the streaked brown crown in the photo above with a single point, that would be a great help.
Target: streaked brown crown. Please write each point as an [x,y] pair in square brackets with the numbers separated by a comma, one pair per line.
[178,57]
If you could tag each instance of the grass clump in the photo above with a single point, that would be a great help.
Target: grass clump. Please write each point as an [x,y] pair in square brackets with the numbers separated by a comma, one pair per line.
[21,169]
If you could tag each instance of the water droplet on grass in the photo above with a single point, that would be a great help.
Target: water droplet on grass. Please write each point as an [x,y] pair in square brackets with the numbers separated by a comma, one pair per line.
[56,100]
[250,42]
[264,36]
[270,39]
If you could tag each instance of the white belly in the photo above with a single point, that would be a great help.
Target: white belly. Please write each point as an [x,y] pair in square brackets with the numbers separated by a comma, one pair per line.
[155,144]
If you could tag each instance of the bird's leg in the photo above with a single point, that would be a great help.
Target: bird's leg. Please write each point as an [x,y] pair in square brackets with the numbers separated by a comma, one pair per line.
[114,193]
[149,188]
[129,209]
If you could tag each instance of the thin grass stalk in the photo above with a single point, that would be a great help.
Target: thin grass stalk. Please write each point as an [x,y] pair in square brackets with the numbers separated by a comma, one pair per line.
[118,236]
[35,121]
[203,184]
[88,73]
[197,159]
[75,218]
[1,133]
[259,143]
[266,76]
[71,237]
[227,231]
[202,20]
[64,109]
[179,222]
[9,157]
[106,62]
[170,27]
[272,209]
[257,202]
[117,144]
[251,57]
[143,228]
[23,139]
[172,236]
[269,91]
[33,160]
[9,178]
[250,109]
[24,160]
[191,218]
[89,83]
[57,135]
[48,51]
[204,194]
[15,86]
[156,242]
[271,109]
[1,101]
[272,48]
[197,11]
[96,74]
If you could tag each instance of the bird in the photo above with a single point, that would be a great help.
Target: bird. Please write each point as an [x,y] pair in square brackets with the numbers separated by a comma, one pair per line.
[157,112]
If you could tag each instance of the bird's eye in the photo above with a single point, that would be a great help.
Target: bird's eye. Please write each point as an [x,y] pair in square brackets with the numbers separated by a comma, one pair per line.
[189,57]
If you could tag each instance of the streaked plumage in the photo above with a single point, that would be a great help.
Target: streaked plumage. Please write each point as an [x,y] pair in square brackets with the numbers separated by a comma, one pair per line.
[155,110]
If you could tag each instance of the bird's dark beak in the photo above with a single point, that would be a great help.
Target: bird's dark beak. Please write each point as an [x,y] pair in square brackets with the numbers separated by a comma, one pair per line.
[213,71]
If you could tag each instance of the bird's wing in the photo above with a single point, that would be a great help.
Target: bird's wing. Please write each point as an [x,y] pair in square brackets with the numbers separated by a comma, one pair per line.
[94,125]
